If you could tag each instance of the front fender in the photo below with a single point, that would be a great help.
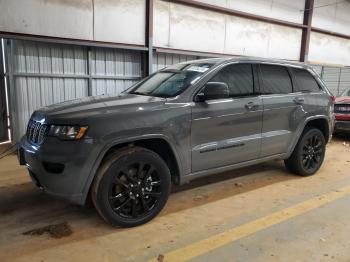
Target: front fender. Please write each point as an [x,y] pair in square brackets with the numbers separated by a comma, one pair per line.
[111,143]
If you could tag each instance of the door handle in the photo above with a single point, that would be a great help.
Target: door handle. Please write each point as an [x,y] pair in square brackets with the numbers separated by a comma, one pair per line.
[250,105]
[299,100]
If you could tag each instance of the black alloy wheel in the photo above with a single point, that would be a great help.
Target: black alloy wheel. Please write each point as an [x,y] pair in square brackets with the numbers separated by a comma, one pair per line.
[131,187]
[308,154]
[312,152]
[135,190]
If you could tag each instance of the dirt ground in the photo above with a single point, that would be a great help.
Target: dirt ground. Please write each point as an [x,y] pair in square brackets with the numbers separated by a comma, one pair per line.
[36,227]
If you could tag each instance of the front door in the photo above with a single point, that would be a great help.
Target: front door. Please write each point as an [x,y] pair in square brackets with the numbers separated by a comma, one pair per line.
[228,131]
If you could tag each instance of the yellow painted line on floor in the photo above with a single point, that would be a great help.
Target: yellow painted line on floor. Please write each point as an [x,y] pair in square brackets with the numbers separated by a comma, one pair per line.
[206,245]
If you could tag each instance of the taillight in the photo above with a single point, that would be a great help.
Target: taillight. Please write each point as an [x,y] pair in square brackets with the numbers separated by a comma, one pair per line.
[333,98]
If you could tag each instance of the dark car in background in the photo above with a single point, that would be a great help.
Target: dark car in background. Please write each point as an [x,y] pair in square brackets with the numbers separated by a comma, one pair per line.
[342,112]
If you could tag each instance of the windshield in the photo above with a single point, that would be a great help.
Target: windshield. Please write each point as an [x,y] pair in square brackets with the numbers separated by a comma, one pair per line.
[171,81]
[346,93]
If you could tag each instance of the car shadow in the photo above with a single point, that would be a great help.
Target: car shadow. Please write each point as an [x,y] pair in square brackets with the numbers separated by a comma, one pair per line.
[23,199]
[342,137]
[24,208]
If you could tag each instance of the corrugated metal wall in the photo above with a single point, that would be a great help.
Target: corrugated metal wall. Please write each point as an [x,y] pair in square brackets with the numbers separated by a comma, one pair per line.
[337,79]
[45,73]
[114,70]
[161,60]
[344,82]
[330,76]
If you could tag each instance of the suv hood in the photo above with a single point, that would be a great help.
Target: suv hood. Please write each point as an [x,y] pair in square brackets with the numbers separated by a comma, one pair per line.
[342,99]
[95,105]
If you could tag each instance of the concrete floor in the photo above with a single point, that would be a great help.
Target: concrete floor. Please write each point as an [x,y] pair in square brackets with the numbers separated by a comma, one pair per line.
[260,213]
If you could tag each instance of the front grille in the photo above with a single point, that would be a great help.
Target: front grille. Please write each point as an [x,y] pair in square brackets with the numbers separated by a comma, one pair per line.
[342,108]
[36,132]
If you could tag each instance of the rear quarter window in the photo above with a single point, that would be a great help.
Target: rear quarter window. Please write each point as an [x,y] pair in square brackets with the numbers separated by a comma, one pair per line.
[304,81]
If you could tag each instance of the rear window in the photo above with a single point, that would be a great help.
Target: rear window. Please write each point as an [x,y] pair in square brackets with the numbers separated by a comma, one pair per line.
[276,79]
[305,82]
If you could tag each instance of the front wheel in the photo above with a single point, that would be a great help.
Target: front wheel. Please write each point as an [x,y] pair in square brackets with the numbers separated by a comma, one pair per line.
[308,154]
[131,187]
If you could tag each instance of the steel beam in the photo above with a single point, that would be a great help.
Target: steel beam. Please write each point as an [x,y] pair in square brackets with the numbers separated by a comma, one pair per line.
[305,37]
[148,64]
[48,75]
[89,67]
[58,40]
[327,32]
[9,49]
[192,53]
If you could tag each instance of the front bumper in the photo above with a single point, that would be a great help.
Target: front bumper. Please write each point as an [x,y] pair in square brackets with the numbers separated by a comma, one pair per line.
[60,168]
[342,126]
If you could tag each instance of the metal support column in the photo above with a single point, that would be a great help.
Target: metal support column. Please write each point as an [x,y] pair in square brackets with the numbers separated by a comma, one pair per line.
[9,51]
[305,38]
[89,67]
[339,79]
[149,37]
[3,97]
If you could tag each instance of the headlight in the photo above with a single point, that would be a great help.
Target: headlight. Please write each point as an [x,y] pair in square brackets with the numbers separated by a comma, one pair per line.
[67,132]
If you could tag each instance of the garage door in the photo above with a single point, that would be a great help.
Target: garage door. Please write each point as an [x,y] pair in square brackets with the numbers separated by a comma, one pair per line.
[45,73]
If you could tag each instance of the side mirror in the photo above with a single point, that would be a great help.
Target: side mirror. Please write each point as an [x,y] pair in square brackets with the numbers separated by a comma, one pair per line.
[213,90]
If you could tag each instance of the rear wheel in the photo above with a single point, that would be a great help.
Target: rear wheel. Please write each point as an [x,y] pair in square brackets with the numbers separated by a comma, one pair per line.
[308,154]
[131,187]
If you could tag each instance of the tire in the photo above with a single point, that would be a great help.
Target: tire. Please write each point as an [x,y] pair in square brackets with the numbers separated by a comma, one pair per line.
[131,187]
[308,155]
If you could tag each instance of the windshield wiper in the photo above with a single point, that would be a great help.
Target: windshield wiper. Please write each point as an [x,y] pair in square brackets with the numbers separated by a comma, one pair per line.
[138,93]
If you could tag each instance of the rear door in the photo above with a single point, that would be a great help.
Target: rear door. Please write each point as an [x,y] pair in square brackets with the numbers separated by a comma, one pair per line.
[228,131]
[307,87]
[283,109]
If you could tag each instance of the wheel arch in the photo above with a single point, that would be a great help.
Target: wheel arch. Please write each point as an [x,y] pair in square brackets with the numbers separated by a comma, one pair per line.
[320,121]
[321,124]
[160,144]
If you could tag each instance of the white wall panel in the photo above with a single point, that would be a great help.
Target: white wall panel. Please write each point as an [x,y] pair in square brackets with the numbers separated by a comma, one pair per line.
[58,18]
[161,23]
[279,9]
[329,49]
[332,15]
[195,29]
[253,38]
[121,21]
[246,37]
[182,27]
[284,42]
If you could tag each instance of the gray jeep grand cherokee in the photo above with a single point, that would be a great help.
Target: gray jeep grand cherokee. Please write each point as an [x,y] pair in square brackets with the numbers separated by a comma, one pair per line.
[186,121]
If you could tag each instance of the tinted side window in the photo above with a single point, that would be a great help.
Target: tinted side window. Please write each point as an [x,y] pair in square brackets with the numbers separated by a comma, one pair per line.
[276,79]
[238,77]
[304,80]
